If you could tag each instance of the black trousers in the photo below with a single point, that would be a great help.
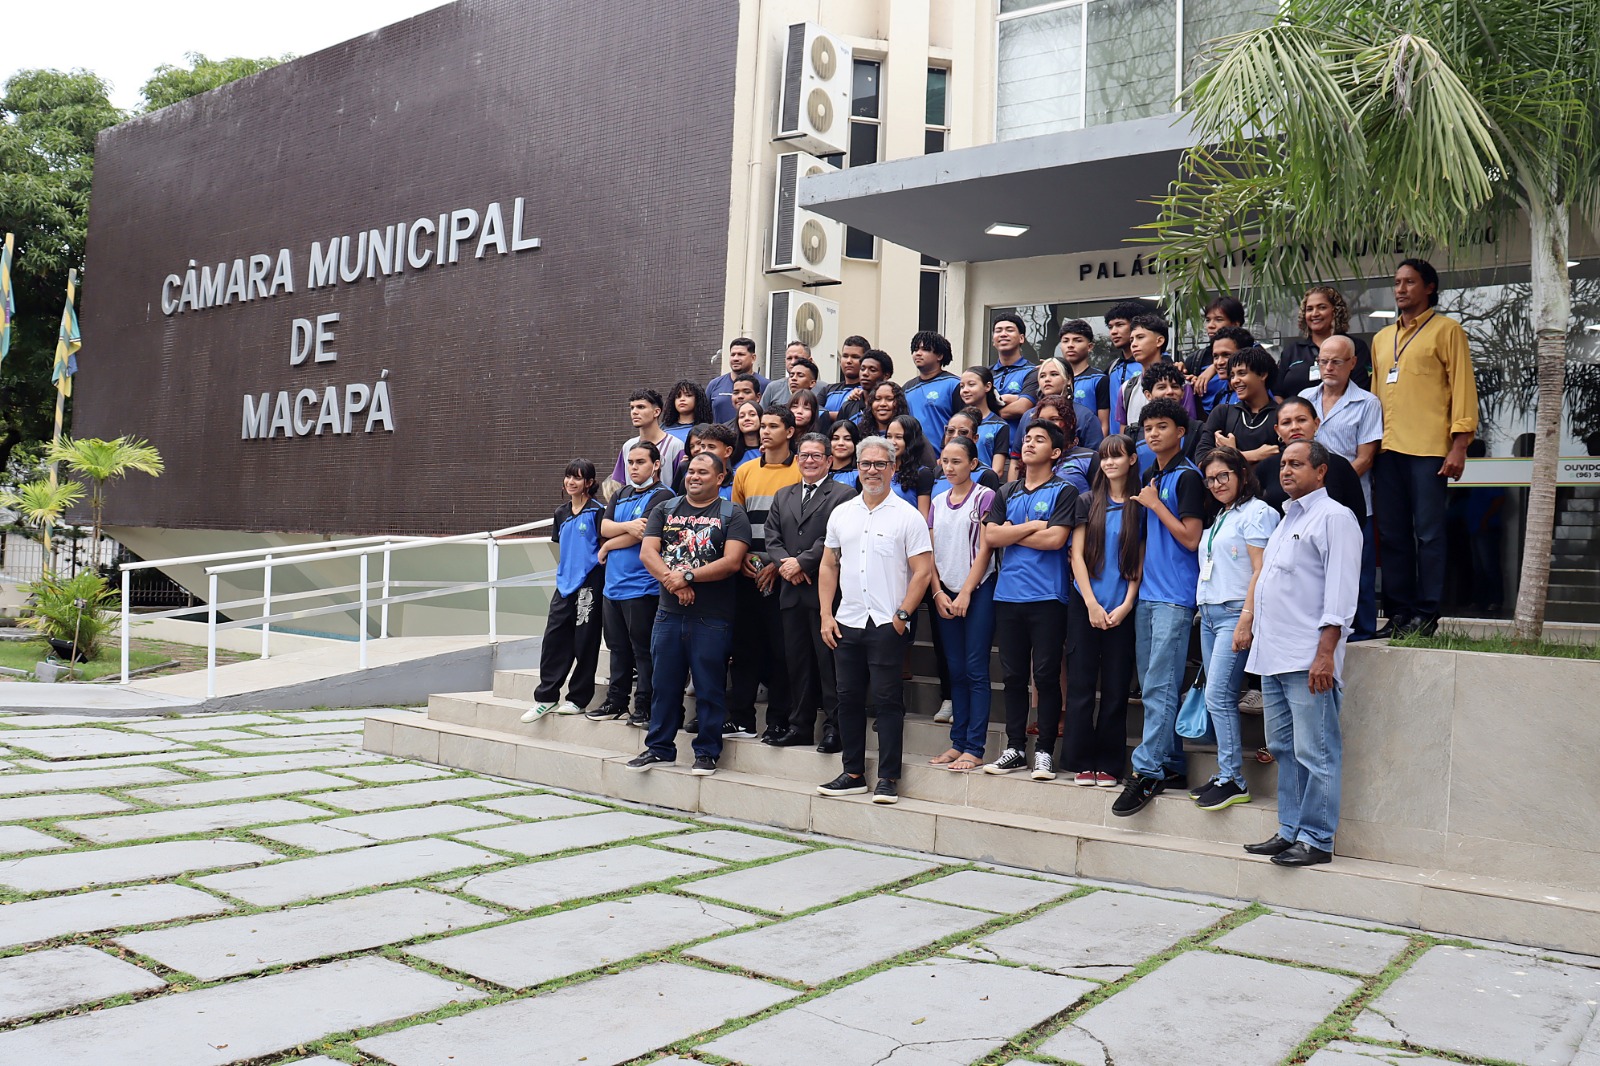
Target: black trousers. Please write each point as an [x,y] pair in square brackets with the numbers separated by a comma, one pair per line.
[1097,659]
[572,642]
[1030,640]
[868,664]
[627,629]
[812,681]
[759,657]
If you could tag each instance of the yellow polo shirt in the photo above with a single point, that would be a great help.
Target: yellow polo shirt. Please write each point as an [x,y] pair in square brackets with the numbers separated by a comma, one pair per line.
[1434,395]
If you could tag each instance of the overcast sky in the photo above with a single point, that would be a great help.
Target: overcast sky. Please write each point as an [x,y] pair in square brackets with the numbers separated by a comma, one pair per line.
[123,41]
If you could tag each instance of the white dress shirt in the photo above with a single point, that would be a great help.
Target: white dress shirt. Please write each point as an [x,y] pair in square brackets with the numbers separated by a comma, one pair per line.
[875,548]
[1309,579]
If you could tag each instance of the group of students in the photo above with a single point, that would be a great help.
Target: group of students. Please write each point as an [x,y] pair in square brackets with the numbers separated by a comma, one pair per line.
[1080,520]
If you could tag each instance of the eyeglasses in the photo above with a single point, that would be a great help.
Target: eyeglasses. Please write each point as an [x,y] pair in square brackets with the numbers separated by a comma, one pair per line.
[1219,479]
[873,464]
[813,457]
[1332,362]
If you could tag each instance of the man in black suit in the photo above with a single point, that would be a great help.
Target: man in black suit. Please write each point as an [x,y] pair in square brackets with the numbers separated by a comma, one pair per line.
[795,526]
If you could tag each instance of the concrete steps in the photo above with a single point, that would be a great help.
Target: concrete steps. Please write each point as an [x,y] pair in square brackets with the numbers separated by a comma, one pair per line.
[1051,826]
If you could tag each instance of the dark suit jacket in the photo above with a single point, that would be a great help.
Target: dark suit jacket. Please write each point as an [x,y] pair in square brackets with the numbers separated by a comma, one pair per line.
[796,534]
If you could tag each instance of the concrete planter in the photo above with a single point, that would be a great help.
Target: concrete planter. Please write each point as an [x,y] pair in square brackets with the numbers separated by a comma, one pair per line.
[1472,762]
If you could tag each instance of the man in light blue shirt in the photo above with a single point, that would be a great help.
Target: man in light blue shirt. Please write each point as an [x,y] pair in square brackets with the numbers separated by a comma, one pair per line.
[1305,602]
[1352,426]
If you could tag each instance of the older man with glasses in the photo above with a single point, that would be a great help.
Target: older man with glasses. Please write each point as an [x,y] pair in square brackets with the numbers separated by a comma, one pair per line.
[1352,426]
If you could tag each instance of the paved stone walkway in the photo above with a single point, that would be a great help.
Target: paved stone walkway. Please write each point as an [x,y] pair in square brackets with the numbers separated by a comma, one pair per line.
[254,888]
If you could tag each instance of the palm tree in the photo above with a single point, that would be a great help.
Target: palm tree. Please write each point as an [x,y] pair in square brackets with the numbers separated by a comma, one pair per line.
[42,504]
[98,461]
[1350,123]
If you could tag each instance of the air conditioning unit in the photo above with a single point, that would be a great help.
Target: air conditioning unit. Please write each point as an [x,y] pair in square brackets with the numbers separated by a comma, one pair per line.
[794,315]
[814,96]
[803,243]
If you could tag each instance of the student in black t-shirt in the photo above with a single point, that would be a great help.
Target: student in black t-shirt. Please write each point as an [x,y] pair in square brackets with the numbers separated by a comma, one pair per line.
[1248,426]
[694,545]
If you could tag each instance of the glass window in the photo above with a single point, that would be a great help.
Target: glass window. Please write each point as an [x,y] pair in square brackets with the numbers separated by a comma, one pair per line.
[930,300]
[864,91]
[1131,63]
[1208,20]
[933,141]
[863,143]
[938,84]
[1040,80]
[858,244]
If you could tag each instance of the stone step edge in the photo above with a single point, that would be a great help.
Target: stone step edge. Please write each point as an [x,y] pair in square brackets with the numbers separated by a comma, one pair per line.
[1514,911]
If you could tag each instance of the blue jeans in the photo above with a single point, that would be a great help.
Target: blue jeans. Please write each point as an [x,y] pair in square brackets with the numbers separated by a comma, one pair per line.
[684,646]
[1224,673]
[1303,736]
[1163,645]
[966,649]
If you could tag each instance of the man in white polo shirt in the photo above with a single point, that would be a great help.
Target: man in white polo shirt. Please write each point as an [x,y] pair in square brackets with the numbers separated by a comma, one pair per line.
[878,561]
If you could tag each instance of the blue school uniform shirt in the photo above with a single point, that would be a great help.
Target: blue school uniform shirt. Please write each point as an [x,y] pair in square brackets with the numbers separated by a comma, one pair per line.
[1171,571]
[1110,588]
[1028,575]
[931,402]
[578,536]
[720,389]
[1092,389]
[848,477]
[1019,379]
[1074,469]
[1118,377]
[681,431]
[994,438]
[626,577]
[1217,391]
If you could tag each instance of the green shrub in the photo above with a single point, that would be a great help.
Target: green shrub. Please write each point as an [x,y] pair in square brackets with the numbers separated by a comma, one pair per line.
[78,612]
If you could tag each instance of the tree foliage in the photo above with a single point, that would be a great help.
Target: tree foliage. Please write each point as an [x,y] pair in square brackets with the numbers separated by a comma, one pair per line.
[170,84]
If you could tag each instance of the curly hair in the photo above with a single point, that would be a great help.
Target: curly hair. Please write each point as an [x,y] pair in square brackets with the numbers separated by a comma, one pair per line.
[1341,310]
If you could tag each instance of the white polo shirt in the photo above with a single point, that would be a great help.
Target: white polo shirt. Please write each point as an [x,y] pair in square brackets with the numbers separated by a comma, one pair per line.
[875,548]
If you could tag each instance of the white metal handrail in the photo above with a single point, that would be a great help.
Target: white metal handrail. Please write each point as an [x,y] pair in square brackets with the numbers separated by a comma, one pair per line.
[360,548]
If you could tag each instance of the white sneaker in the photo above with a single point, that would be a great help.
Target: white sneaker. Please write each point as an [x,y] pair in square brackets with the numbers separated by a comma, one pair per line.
[945,713]
[1250,702]
[1043,768]
[538,711]
[567,707]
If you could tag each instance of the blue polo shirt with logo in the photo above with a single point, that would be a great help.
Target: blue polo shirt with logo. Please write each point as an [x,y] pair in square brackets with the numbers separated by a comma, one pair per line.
[1028,575]
[994,438]
[626,577]
[932,401]
[1171,571]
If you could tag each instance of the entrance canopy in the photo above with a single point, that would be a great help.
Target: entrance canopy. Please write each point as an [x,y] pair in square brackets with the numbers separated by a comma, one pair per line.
[1075,191]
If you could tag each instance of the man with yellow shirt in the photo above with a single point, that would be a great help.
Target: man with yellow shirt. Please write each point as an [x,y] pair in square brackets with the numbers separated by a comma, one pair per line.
[1422,374]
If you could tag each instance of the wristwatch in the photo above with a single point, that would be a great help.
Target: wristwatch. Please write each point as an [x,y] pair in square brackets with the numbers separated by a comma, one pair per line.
[688,577]
[902,615]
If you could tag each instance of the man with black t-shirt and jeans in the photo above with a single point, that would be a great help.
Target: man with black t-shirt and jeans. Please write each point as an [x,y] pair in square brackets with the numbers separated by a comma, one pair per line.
[694,545]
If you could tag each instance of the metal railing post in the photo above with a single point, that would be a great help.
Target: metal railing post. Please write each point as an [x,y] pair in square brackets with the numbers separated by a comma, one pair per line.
[363,617]
[127,587]
[266,607]
[494,591]
[383,612]
[211,638]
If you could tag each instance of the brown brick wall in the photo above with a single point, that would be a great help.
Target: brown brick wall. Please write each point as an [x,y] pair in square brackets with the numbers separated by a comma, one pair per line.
[612,118]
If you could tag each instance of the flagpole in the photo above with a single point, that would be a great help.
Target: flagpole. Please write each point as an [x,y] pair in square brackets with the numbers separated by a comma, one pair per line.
[63,384]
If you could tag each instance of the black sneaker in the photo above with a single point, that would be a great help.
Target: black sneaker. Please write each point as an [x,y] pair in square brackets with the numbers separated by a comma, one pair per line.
[1197,792]
[1138,792]
[644,761]
[692,725]
[605,713]
[1221,795]
[1009,760]
[885,792]
[1176,782]
[734,731]
[639,719]
[704,766]
[844,785]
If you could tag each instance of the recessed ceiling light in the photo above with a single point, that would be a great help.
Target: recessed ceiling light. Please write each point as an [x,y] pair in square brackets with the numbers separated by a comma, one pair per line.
[1006,229]
[1380,314]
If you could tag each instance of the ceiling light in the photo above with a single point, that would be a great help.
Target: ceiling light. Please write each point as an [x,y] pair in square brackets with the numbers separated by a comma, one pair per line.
[1380,314]
[1006,229]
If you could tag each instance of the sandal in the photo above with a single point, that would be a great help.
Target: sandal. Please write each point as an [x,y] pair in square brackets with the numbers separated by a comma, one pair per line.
[946,759]
[965,763]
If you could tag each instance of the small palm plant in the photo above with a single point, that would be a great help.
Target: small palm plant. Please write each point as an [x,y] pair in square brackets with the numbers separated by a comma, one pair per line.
[41,504]
[99,461]
[74,614]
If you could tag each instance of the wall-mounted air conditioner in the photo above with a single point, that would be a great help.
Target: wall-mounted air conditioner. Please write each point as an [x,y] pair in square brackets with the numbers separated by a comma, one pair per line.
[803,243]
[814,95]
[795,315]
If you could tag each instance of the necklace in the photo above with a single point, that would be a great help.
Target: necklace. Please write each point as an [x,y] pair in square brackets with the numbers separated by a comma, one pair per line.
[1244,416]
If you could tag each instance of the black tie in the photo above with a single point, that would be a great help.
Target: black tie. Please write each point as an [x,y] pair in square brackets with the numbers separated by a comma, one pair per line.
[806,494]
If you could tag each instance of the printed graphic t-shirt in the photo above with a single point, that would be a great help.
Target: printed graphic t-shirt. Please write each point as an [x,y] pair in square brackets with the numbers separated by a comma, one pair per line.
[692,537]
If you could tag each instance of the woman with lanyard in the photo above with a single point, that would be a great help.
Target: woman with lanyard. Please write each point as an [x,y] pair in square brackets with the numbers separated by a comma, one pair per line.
[842,441]
[963,600]
[994,433]
[1323,314]
[1230,564]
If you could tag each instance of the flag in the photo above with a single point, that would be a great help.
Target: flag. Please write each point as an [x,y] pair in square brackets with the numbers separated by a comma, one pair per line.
[8,302]
[67,343]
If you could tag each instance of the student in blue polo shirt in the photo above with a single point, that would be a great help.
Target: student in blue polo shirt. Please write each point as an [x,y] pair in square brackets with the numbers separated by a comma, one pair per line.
[1031,519]
[630,592]
[1014,379]
[1090,386]
[934,394]
[572,630]
[994,432]
[1174,500]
